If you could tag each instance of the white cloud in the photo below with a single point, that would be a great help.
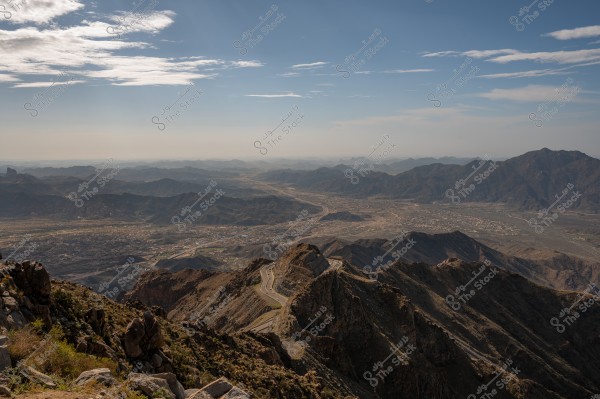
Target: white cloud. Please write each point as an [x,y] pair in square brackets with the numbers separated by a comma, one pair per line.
[488,53]
[31,54]
[290,94]
[8,78]
[39,11]
[504,56]
[247,64]
[47,84]
[312,65]
[530,93]
[577,33]
[289,74]
[409,71]
[560,57]
[442,54]
[525,74]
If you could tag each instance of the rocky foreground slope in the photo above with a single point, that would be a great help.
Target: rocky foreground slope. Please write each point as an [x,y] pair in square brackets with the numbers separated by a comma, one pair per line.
[453,329]
[59,336]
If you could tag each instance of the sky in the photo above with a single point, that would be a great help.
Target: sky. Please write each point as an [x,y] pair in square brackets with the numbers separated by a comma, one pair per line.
[220,79]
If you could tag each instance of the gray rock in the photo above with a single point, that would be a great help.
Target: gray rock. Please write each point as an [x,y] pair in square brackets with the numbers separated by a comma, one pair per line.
[98,376]
[4,358]
[149,385]
[236,393]
[35,376]
[199,395]
[11,303]
[16,320]
[5,392]
[218,388]
[174,385]
[3,339]
[156,360]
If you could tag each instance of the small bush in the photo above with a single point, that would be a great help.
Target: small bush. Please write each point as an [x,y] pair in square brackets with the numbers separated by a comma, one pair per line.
[22,343]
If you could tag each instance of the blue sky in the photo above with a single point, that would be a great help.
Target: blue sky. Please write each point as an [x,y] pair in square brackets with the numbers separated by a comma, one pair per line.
[506,91]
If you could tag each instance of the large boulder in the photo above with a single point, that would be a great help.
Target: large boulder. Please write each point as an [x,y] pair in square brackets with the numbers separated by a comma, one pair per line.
[150,386]
[174,385]
[220,389]
[35,376]
[96,376]
[142,336]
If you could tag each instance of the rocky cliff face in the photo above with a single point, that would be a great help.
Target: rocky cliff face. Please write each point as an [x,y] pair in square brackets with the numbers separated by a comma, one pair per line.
[444,330]
[25,290]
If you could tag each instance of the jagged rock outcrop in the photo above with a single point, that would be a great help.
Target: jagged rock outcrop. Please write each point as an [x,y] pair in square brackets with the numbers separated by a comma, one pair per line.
[25,294]
[142,336]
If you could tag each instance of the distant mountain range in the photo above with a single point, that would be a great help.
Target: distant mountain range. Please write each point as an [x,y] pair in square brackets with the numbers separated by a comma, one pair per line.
[531,181]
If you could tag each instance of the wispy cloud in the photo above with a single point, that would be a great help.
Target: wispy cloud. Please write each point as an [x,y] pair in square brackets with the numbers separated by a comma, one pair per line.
[47,84]
[504,56]
[577,33]
[290,94]
[289,75]
[312,65]
[530,93]
[409,70]
[560,57]
[526,74]
[247,64]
